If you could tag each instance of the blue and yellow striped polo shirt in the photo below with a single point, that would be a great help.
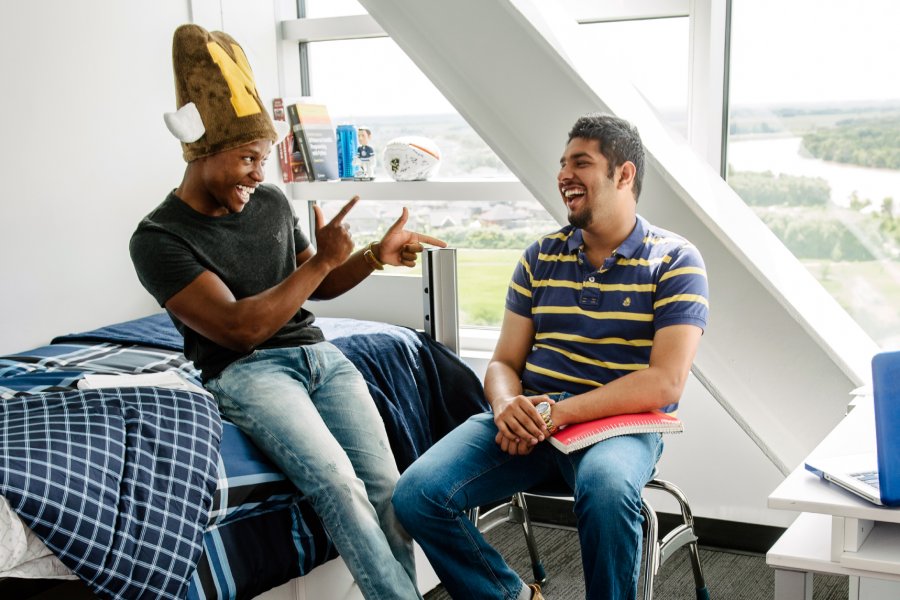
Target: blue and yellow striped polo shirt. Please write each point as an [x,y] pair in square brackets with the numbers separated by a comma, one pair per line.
[593,325]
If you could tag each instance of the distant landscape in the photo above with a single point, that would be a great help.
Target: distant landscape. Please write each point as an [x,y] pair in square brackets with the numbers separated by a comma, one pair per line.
[851,245]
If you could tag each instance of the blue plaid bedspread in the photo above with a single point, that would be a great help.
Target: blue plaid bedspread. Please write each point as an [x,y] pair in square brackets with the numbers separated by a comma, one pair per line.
[118,483]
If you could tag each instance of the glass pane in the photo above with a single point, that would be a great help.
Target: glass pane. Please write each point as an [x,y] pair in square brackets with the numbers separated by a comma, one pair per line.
[489,238]
[387,93]
[814,143]
[384,91]
[654,53]
[333,8]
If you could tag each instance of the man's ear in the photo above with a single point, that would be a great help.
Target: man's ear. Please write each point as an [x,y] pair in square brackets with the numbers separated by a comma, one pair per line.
[627,173]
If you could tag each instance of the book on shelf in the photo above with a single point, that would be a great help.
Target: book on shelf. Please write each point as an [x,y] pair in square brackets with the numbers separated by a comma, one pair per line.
[581,435]
[166,379]
[290,155]
[315,137]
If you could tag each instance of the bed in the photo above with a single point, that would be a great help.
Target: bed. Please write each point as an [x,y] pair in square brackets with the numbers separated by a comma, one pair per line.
[146,492]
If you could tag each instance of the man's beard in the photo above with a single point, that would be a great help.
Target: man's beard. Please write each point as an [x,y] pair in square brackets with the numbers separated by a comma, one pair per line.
[581,219]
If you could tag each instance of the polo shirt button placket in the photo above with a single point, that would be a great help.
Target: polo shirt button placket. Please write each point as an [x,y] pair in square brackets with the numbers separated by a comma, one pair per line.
[590,295]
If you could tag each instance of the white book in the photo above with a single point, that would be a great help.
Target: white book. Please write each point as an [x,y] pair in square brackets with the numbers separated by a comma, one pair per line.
[167,379]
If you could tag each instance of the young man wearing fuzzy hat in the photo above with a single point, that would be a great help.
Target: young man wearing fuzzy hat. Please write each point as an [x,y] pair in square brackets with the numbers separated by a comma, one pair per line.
[225,256]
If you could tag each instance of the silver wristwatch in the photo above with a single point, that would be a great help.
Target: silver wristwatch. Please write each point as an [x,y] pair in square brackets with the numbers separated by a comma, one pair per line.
[543,409]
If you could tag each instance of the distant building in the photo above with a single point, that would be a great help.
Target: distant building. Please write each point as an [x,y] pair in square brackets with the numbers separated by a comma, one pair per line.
[447,217]
[504,216]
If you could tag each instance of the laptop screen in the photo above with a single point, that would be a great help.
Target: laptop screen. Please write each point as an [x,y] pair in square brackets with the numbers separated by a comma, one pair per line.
[886,389]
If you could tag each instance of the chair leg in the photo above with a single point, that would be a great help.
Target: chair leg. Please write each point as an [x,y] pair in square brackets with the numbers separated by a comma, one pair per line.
[520,510]
[699,580]
[657,550]
[683,535]
[651,557]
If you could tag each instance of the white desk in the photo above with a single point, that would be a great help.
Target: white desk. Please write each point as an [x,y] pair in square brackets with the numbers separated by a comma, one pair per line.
[837,532]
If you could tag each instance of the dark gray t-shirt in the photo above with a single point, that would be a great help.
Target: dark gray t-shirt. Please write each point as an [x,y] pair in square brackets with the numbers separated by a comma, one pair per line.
[250,251]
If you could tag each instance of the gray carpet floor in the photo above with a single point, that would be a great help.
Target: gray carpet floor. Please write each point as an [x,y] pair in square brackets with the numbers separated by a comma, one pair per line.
[729,575]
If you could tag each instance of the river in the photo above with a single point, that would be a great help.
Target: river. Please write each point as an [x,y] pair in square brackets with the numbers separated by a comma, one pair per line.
[783,155]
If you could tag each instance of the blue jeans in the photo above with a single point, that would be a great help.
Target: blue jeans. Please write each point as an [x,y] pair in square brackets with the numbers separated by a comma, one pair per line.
[466,469]
[309,410]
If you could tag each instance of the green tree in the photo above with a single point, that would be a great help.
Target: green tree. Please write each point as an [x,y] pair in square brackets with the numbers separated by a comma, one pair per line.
[887,224]
[816,235]
[767,189]
[869,142]
[856,203]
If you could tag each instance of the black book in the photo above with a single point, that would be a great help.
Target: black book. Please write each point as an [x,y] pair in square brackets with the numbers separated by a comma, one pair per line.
[315,138]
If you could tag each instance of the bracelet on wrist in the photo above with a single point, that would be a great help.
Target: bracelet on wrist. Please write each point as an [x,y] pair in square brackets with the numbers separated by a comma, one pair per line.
[369,255]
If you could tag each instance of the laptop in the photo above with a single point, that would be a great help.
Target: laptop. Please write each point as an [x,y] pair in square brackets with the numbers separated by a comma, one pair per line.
[874,476]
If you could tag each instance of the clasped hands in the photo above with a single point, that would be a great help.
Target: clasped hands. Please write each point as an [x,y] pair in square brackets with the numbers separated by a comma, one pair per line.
[520,427]
[397,247]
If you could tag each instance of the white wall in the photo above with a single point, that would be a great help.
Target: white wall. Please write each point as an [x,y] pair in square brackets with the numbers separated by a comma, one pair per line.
[85,153]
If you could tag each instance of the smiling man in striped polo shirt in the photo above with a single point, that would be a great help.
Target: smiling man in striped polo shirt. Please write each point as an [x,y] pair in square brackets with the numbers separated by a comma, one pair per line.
[603,317]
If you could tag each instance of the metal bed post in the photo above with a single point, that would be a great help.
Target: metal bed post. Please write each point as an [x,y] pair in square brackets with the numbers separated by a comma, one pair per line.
[440,296]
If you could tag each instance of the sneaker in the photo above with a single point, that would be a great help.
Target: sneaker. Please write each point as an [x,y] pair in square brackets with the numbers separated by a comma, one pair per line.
[536,591]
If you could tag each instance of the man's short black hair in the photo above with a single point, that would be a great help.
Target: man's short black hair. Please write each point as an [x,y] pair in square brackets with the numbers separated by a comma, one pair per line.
[619,142]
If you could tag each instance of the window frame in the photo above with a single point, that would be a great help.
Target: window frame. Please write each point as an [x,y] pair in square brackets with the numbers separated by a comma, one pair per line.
[302,31]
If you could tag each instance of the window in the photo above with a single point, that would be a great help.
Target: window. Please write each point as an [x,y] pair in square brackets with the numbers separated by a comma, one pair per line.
[813,143]
[489,237]
[634,48]
[372,82]
[332,8]
[379,87]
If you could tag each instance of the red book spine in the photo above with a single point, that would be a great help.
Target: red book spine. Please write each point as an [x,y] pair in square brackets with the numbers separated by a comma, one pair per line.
[285,146]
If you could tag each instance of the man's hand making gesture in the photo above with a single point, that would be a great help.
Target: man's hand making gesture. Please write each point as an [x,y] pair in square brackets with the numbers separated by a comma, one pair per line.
[398,246]
[334,246]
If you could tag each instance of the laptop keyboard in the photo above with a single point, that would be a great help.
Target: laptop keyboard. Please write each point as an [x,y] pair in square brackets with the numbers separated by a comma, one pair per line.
[868,477]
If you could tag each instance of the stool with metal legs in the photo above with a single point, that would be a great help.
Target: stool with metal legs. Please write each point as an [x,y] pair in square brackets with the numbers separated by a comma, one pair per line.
[657,551]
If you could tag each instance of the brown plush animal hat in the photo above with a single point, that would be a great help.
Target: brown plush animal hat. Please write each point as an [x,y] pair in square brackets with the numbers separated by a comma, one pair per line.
[218,105]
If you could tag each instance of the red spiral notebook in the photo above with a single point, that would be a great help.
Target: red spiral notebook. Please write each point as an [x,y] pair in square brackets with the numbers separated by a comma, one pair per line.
[581,435]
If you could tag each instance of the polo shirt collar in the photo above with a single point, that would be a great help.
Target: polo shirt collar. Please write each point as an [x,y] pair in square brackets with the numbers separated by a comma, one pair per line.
[635,240]
[575,241]
[632,244]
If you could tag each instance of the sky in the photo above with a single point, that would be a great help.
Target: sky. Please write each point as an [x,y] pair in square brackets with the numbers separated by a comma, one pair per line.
[809,50]
[783,51]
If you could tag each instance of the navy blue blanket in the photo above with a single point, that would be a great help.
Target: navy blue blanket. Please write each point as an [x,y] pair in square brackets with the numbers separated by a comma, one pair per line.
[156,331]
